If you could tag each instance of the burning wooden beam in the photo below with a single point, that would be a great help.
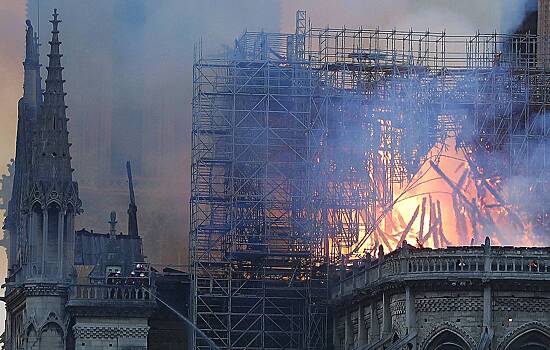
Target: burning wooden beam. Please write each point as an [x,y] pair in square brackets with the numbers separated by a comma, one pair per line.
[433,223]
[408,227]
[384,239]
[437,230]
[442,239]
[422,216]
[514,218]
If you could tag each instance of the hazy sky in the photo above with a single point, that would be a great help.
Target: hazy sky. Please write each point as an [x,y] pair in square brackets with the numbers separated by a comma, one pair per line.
[454,16]
[465,16]
[12,31]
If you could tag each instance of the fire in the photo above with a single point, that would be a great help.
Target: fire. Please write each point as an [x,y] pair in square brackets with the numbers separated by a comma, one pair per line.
[448,202]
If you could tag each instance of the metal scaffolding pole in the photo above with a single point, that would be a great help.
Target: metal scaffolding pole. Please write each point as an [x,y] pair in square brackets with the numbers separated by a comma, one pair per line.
[300,141]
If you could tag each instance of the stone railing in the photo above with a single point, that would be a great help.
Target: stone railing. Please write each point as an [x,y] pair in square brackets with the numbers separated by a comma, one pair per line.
[103,292]
[409,263]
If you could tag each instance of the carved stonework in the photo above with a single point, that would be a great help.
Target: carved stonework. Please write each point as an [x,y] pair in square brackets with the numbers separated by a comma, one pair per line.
[399,329]
[522,304]
[45,289]
[397,308]
[448,304]
[510,336]
[441,327]
[102,332]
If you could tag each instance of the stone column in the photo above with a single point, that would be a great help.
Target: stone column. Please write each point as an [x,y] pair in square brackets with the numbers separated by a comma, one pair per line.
[60,255]
[335,338]
[374,326]
[348,331]
[487,291]
[410,310]
[487,255]
[361,326]
[386,315]
[487,306]
[69,249]
[30,238]
[12,253]
[44,240]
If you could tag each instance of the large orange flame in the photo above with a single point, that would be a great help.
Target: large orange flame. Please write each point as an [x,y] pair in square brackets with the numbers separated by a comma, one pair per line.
[448,202]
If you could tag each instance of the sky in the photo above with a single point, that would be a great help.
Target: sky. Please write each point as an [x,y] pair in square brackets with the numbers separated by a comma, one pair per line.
[173,26]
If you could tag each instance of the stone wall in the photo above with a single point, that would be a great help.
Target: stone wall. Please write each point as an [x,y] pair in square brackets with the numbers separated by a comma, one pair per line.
[98,333]
[475,298]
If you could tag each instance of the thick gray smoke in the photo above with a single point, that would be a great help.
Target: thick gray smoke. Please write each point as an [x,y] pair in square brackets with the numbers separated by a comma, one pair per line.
[129,83]
[128,66]
[455,17]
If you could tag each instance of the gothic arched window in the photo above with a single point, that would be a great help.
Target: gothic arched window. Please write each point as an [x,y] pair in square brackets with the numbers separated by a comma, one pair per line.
[533,339]
[447,340]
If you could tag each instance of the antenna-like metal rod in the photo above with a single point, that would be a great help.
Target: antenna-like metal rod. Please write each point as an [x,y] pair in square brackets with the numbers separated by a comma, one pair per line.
[130,183]
[132,207]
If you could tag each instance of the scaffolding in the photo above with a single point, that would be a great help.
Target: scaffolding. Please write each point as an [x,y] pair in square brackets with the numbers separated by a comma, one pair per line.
[299,140]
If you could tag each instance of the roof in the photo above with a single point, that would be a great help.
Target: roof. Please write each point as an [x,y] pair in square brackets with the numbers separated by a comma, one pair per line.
[100,250]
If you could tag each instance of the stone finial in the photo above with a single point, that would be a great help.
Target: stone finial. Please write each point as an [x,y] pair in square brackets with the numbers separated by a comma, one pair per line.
[405,247]
[380,251]
[113,222]
[487,244]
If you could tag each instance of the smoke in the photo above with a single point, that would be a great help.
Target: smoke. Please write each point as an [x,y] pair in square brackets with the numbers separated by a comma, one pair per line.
[128,66]
[129,80]
[129,83]
[455,17]
[490,159]
[12,49]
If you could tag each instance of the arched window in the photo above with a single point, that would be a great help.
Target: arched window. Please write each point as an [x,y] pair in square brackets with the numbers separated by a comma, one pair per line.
[31,337]
[447,340]
[37,221]
[68,240]
[52,247]
[51,337]
[533,339]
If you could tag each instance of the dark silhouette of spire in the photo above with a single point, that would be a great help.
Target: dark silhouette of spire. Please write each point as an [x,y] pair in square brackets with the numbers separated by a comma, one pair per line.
[53,149]
[132,207]
[28,110]
[54,83]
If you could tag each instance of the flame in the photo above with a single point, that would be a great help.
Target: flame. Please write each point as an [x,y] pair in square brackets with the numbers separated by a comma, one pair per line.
[448,202]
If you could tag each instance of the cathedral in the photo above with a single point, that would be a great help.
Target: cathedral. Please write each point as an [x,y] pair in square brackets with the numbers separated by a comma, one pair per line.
[69,289]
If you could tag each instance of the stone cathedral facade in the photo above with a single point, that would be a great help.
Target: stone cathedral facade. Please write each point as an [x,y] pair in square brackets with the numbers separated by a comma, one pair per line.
[459,298]
[65,289]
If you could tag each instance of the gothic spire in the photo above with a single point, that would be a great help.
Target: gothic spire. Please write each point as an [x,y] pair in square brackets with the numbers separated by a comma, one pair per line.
[54,95]
[55,160]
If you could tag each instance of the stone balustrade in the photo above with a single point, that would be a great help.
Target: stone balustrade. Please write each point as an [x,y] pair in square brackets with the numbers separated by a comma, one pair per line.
[409,263]
[102,292]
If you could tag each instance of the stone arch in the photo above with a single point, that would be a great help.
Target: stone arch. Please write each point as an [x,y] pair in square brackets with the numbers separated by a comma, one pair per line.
[36,223]
[52,239]
[68,239]
[31,337]
[51,337]
[448,336]
[529,336]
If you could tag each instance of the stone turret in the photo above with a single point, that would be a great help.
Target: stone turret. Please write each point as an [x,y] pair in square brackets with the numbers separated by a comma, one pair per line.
[52,197]
[28,110]
[42,208]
